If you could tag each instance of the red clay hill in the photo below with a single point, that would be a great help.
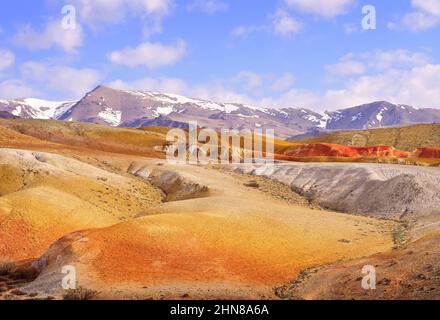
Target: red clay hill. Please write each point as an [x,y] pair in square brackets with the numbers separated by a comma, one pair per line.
[335,150]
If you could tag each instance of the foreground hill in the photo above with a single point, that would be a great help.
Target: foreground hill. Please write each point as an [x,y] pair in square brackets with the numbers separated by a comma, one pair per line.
[222,244]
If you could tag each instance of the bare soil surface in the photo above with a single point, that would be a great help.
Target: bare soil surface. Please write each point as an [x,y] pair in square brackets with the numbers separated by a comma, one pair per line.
[412,272]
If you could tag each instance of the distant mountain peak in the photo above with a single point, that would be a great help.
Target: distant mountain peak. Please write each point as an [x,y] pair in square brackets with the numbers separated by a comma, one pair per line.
[34,108]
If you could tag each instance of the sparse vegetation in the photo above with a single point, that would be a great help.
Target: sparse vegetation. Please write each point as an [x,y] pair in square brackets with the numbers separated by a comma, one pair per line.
[400,235]
[283,292]
[24,273]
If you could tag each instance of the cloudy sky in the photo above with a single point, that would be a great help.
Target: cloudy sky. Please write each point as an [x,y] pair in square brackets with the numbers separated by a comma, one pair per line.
[273,53]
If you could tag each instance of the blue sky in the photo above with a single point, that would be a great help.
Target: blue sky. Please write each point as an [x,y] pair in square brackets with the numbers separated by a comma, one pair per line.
[301,53]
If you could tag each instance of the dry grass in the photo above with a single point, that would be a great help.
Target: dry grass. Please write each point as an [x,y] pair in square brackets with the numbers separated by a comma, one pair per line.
[403,138]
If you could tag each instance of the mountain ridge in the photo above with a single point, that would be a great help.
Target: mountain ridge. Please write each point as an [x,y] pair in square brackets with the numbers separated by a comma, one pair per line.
[128,108]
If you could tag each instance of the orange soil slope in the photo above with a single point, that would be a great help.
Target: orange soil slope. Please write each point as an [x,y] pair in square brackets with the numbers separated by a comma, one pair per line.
[45,196]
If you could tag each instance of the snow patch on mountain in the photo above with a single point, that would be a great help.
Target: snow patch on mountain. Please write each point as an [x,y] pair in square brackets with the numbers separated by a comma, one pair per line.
[324,120]
[38,108]
[110,116]
[379,116]
[163,111]
[356,117]
[17,111]
[311,117]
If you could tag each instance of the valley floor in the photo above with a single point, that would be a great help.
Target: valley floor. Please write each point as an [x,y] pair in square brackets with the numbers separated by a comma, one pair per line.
[137,227]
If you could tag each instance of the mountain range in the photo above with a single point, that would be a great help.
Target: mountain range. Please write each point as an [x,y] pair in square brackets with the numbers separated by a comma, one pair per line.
[125,108]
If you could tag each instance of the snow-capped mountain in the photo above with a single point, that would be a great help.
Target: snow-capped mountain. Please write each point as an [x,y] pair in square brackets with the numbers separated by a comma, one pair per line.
[141,108]
[113,107]
[31,108]
[379,114]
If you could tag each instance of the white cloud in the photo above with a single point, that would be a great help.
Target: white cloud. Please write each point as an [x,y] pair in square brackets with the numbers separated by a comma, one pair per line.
[419,21]
[96,12]
[63,79]
[392,58]
[250,80]
[324,8]
[215,91]
[149,54]
[52,35]
[208,6]
[417,86]
[358,63]
[295,97]
[425,16]
[283,83]
[428,6]
[15,88]
[346,67]
[350,28]
[164,84]
[281,23]
[284,24]
[99,13]
[398,75]
[244,31]
[7,59]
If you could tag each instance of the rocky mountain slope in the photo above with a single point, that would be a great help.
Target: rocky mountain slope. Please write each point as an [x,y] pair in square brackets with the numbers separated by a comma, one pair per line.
[135,108]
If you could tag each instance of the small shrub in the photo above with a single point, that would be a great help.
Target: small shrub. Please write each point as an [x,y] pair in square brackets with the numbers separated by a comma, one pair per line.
[6,267]
[80,294]
[252,184]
